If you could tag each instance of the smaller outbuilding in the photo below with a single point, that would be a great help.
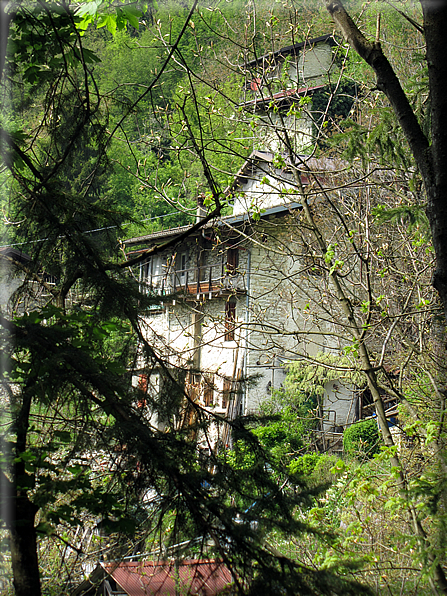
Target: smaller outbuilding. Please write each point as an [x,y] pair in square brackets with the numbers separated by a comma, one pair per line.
[158,578]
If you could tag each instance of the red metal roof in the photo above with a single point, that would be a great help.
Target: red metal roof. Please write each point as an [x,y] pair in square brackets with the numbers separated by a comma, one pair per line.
[282,95]
[159,578]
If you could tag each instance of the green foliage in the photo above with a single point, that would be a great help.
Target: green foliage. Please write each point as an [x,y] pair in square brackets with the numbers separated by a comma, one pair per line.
[362,508]
[384,140]
[114,16]
[284,435]
[412,216]
[362,439]
[241,456]
[318,470]
[34,52]
[306,380]
[330,106]
[306,464]
[276,438]
[208,116]
[70,366]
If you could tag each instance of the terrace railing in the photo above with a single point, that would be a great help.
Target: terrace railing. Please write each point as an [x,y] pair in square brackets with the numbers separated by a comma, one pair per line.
[213,279]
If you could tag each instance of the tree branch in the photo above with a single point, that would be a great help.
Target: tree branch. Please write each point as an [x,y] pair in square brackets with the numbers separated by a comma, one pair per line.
[388,83]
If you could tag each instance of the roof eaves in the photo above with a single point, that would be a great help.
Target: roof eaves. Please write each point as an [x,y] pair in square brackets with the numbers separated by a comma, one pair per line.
[158,577]
[228,220]
[14,254]
[252,160]
[257,156]
[289,94]
[95,577]
[160,234]
[232,220]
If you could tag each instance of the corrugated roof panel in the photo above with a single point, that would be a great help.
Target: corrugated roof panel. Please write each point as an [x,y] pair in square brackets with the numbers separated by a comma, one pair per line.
[159,578]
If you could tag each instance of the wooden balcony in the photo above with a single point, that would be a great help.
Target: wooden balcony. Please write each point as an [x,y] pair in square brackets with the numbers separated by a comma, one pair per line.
[209,280]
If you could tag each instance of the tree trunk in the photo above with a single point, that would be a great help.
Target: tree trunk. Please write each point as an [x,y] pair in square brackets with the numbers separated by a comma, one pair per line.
[23,543]
[430,159]
[435,27]
[22,533]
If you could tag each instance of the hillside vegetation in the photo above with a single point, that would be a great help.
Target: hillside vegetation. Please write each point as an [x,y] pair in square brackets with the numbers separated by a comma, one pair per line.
[105,138]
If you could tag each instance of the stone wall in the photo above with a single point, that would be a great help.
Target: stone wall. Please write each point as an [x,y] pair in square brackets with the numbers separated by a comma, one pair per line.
[276,322]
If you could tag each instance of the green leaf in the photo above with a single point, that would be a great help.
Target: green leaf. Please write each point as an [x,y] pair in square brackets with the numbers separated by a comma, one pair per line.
[90,8]
[108,21]
[132,14]
[90,57]
[27,456]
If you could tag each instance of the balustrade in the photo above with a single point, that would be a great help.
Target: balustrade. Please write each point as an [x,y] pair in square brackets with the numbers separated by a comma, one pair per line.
[213,279]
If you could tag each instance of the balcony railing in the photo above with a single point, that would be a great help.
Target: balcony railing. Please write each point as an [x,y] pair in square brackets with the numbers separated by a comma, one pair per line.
[212,279]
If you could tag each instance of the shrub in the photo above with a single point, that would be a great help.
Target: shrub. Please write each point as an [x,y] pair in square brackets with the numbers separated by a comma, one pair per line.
[362,439]
[304,465]
[283,434]
[315,468]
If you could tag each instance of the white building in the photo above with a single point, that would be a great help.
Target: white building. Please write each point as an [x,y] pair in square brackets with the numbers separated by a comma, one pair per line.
[236,300]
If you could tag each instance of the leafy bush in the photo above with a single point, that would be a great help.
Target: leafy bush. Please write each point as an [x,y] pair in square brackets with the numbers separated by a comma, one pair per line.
[304,465]
[316,468]
[362,438]
[282,435]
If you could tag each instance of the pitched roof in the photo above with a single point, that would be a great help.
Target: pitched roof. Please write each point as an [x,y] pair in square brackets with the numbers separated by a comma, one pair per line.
[222,222]
[14,254]
[163,578]
[282,96]
[303,163]
[156,235]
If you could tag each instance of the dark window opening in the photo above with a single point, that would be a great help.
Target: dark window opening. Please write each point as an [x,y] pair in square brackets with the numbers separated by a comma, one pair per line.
[232,261]
[226,393]
[181,262]
[142,386]
[208,391]
[193,386]
[230,319]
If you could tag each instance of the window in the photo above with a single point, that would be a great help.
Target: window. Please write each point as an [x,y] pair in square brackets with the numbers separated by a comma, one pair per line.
[226,393]
[208,391]
[142,386]
[151,271]
[230,319]
[232,261]
[181,262]
[193,386]
[145,271]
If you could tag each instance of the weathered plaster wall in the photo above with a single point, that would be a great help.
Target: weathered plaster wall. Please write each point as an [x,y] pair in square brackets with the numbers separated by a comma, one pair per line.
[275,323]
[8,283]
[262,191]
[314,64]
[270,132]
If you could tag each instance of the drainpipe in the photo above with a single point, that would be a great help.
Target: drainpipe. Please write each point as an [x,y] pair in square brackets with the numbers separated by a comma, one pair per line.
[247,320]
[197,317]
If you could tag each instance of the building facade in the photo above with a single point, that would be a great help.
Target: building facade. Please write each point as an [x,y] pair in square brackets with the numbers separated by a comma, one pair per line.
[236,300]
